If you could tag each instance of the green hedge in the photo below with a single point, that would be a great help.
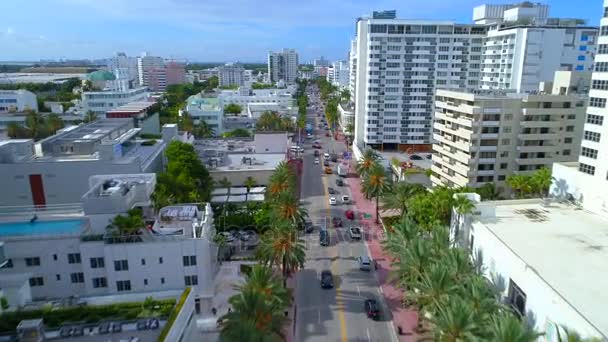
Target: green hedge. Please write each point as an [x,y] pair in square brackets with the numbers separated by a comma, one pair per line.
[148,142]
[54,318]
[150,136]
[173,316]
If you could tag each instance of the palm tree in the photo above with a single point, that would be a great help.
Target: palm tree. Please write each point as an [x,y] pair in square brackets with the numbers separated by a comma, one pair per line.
[462,206]
[202,130]
[565,334]
[225,183]
[282,247]
[349,129]
[287,208]
[481,295]
[35,123]
[90,116]
[125,225]
[400,236]
[488,192]
[54,123]
[455,321]
[262,279]
[399,196]
[250,182]
[411,262]
[520,184]
[282,179]
[368,159]
[221,242]
[253,318]
[434,288]
[541,181]
[375,184]
[13,130]
[507,328]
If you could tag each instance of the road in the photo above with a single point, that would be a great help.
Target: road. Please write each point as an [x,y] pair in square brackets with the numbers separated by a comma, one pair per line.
[337,314]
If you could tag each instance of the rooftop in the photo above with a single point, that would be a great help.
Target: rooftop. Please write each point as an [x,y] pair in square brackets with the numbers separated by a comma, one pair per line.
[204,103]
[491,94]
[186,220]
[132,108]
[567,248]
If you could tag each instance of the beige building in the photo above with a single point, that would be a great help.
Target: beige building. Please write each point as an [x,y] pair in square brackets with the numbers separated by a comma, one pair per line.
[484,136]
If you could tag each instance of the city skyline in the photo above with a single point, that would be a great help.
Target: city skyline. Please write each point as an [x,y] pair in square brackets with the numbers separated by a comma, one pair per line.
[213,32]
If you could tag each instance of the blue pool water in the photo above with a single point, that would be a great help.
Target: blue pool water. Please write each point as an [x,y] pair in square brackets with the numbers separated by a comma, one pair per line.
[40,227]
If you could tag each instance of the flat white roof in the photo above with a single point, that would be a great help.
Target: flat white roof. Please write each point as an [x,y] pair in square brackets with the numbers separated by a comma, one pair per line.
[566,246]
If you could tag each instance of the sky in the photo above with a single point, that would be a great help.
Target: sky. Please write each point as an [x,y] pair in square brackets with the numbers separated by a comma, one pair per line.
[214,30]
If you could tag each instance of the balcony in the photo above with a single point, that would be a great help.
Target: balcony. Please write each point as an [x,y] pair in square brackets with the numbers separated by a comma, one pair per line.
[544,148]
[540,124]
[539,136]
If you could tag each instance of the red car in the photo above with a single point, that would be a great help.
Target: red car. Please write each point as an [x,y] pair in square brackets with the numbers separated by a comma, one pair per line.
[350,214]
[337,222]
[316,146]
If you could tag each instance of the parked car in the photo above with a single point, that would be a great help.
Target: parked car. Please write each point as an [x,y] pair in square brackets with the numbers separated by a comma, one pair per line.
[316,161]
[104,328]
[365,263]
[334,158]
[316,153]
[349,214]
[355,233]
[327,134]
[325,155]
[345,199]
[372,308]
[336,222]
[429,156]
[332,201]
[228,236]
[308,227]
[415,157]
[326,163]
[331,190]
[327,279]
[323,238]
[339,182]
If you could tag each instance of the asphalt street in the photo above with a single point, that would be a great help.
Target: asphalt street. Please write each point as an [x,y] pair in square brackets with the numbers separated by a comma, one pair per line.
[337,314]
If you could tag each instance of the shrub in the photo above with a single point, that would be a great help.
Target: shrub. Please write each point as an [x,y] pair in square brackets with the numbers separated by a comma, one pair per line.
[173,316]
[148,142]
[150,136]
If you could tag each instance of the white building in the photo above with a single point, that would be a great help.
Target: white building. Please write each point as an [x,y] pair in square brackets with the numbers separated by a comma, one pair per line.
[338,74]
[352,70]
[152,72]
[485,136]
[208,109]
[533,13]
[17,101]
[347,115]
[60,256]
[56,170]
[244,97]
[100,102]
[231,74]
[124,65]
[283,66]
[398,64]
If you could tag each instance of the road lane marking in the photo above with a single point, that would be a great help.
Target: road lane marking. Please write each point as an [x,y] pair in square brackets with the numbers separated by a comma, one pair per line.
[368,335]
[334,264]
[391,328]
[319,316]
[380,289]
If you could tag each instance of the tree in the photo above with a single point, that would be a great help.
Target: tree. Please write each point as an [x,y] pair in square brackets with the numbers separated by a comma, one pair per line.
[202,130]
[282,179]
[282,247]
[125,225]
[507,328]
[262,279]
[368,158]
[287,207]
[54,123]
[250,182]
[375,185]
[400,236]
[345,95]
[237,133]
[221,242]
[434,288]
[399,196]
[14,131]
[90,116]
[349,129]
[455,321]
[271,121]
[225,183]
[488,192]
[541,181]
[232,108]
[463,206]
[35,124]
[565,334]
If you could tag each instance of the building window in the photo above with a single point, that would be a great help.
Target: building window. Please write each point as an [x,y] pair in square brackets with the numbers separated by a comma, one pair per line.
[516,298]
[36,281]
[143,261]
[74,258]
[58,277]
[160,260]
[77,277]
[35,261]
[98,263]
[565,152]
[580,67]
[55,257]
[189,260]
[123,285]
[100,282]
[501,177]
[145,282]
[9,263]
[569,128]
[601,66]
[589,152]
[603,31]
[121,265]
[162,280]
[597,102]
[191,280]
[595,119]
[567,140]
[591,136]
[585,168]
[503,166]
[599,84]
[581,58]
[582,48]
[602,48]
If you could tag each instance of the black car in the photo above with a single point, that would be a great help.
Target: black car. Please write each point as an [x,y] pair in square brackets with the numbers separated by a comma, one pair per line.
[308,227]
[324,238]
[331,190]
[334,158]
[372,309]
[326,162]
[339,182]
[415,157]
[327,279]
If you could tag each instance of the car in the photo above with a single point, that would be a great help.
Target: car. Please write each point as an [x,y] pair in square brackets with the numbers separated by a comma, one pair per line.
[328,170]
[327,134]
[323,238]
[331,190]
[334,158]
[349,214]
[355,233]
[317,146]
[316,153]
[327,279]
[337,222]
[326,162]
[365,263]
[429,156]
[316,161]
[372,308]
[339,182]
[104,328]
[345,199]
[244,236]
[326,155]
[228,236]
[415,157]
[332,201]
[308,227]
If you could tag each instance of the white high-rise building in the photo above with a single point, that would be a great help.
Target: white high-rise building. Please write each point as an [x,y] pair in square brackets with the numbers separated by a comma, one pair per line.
[152,72]
[283,65]
[398,64]
[352,70]
[338,74]
[231,74]
[125,66]
[532,13]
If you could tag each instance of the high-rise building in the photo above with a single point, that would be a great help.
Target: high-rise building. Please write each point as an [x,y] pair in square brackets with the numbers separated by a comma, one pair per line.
[338,74]
[152,72]
[124,66]
[352,70]
[283,65]
[483,136]
[231,74]
[176,73]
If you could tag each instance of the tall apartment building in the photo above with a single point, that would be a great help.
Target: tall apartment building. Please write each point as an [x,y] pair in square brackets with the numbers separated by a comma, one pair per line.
[352,70]
[283,65]
[483,136]
[122,64]
[176,73]
[398,64]
[338,74]
[586,181]
[17,101]
[152,72]
[231,74]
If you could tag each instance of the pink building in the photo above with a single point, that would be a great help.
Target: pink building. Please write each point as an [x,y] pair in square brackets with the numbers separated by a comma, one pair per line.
[176,73]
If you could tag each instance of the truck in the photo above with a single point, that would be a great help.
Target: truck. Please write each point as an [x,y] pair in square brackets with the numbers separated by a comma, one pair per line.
[342,170]
[309,128]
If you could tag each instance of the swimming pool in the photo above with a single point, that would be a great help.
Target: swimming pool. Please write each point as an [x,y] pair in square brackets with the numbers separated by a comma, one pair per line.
[40,227]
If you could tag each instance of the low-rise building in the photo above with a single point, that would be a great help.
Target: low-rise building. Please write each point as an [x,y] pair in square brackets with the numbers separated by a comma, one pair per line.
[208,109]
[485,136]
[99,102]
[338,74]
[545,258]
[17,101]
[347,117]
[142,113]
[56,170]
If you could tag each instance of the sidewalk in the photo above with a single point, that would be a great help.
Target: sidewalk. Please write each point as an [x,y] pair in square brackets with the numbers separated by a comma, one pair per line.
[403,317]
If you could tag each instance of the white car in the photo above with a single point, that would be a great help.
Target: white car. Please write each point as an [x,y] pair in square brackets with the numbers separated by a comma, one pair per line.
[345,199]
[317,161]
[326,155]
[332,201]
